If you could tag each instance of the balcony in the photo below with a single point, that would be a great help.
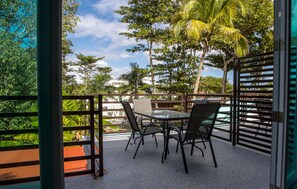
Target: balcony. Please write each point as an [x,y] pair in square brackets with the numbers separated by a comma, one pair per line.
[238,167]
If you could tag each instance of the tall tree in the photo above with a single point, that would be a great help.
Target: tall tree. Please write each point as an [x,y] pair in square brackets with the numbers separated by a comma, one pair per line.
[69,22]
[87,67]
[210,84]
[203,20]
[257,25]
[145,21]
[223,59]
[134,78]
[176,70]
[99,83]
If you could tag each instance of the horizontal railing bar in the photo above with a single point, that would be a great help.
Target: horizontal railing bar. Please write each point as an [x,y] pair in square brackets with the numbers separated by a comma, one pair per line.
[22,114]
[242,133]
[23,131]
[116,124]
[256,81]
[254,122]
[111,95]
[18,180]
[152,101]
[85,112]
[36,98]
[254,143]
[256,86]
[253,147]
[18,164]
[22,147]
[256,91]
[213,95]
[253,76]
[252,96]
[84,97]
[254,71]
[252,127]
[74,128]
[256,56]
[78,143]
[18,98]
[253,62]
[77,158]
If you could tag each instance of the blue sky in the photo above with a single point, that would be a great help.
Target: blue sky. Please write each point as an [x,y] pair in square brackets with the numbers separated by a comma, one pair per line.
[97,34]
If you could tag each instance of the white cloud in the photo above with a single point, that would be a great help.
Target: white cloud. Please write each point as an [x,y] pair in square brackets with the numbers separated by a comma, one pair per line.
[106,6]
[117,71]
[126,55]
[102,63]
[93,26]
[210,69]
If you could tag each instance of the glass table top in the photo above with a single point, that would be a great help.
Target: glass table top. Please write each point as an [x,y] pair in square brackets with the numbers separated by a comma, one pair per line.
[164,114]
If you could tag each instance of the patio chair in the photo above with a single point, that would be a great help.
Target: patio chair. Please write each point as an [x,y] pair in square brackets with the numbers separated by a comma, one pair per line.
[201,123]
[201,101]
[141,105]
[264,109]
[144,105]
[136,130]
[185,124]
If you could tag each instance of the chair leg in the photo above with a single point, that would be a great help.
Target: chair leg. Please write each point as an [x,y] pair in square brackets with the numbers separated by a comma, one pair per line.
[177,144]
[137,147]
[166,146]
[183,154]
[132,134]
[203,143]
[193,144]
[156,140]
[213,154]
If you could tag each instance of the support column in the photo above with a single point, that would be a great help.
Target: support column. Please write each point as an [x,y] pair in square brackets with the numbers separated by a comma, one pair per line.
[280,88]
[50,94]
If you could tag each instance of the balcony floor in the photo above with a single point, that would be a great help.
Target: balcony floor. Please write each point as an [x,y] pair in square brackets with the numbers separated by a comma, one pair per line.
[237,168]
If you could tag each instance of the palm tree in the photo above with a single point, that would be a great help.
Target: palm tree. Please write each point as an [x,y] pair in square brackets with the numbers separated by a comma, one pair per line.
[134,79]
[205,20]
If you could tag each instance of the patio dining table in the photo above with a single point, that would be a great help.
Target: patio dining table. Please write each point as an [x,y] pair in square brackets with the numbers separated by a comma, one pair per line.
[164,116]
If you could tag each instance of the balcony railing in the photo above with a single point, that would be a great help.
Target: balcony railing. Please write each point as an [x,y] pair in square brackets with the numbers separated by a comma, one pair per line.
[116,121]
[19,152]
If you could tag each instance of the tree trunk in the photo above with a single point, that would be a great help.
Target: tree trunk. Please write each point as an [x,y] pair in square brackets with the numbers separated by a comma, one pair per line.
[224,80]
[197,82]
[151,66]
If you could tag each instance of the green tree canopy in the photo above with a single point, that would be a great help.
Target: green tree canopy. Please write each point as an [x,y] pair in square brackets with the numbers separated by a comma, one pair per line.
[204,20]
[145,21]
[87,68]
[212,85]
[135,79]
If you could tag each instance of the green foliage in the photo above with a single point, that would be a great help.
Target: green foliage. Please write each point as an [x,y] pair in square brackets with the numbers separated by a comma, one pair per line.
[206,20]
[257,25]
[176,71]
[134,79]
[145,20]
[213,85]
[69,22]
[100,80]
[87,66]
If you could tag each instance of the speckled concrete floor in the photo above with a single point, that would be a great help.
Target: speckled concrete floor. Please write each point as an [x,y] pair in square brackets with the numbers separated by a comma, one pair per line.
[238,168]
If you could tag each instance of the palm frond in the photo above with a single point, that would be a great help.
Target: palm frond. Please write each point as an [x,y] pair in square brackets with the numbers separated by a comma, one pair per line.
[196,28]
[241,46]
